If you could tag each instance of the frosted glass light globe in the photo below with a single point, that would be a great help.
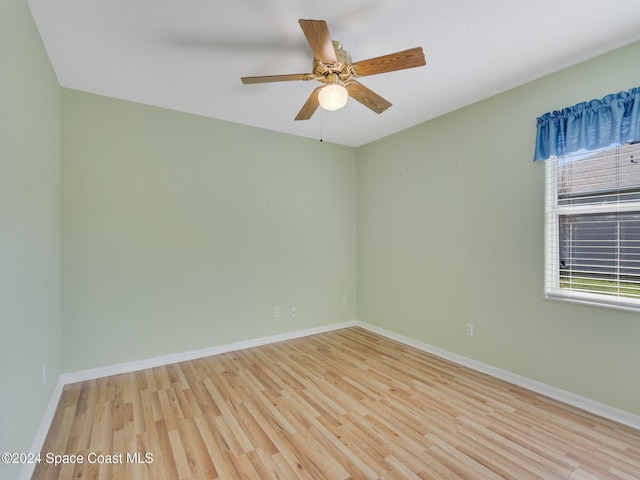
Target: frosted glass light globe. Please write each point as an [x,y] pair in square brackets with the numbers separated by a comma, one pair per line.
[333,97]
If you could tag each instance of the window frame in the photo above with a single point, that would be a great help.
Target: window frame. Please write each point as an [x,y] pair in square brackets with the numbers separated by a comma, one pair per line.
[553,212]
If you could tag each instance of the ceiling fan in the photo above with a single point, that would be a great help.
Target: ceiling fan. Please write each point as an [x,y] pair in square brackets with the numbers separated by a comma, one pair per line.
[333,67]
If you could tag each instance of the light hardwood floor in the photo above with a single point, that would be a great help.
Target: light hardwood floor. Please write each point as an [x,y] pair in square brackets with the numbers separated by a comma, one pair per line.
[347,404]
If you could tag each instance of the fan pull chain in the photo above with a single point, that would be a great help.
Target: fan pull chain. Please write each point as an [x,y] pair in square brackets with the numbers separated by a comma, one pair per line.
[321,124]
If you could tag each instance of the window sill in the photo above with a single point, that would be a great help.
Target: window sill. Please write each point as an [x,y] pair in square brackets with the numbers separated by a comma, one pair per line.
[591,300]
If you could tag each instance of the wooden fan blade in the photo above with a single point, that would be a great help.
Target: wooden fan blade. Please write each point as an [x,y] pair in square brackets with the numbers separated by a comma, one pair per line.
[277,78]
[310,106]
[319,39]
[414,57]
[367,97]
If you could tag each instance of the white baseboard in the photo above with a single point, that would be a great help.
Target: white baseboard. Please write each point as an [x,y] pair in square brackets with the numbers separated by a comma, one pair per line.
[133,366]
[584,403]
[27,469]
[569,398]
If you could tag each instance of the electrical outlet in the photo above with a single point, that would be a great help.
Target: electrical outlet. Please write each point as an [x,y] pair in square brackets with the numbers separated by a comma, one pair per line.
[276,312]
[293,312]
[469,330]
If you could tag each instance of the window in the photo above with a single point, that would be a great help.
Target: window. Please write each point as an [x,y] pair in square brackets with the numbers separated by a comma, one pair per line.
[593,227]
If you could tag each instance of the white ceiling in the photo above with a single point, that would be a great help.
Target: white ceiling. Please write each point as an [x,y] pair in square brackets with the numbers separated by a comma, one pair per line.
[189,55]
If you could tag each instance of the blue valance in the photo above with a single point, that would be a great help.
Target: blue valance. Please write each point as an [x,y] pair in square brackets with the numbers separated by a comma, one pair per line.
[615,119]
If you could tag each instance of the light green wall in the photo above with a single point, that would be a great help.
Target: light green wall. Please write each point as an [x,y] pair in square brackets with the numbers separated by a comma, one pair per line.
[29,230]
[450,231]
[182,232]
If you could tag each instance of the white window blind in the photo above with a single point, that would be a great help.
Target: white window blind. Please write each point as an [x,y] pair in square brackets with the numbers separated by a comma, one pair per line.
[593,227]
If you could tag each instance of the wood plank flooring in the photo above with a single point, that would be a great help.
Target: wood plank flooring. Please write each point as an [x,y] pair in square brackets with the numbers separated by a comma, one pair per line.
[347,404]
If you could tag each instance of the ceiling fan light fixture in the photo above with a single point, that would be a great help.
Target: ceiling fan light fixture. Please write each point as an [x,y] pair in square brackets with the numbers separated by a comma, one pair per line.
[333,97]
[333,67]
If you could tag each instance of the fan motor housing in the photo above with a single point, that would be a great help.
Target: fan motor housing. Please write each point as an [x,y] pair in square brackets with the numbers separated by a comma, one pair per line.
[341,67]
